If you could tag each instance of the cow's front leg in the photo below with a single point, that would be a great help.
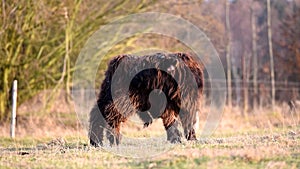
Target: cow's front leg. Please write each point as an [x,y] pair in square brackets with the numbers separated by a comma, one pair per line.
[114,136]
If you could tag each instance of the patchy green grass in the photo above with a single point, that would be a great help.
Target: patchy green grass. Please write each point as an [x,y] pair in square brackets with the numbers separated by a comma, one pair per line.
[279,149]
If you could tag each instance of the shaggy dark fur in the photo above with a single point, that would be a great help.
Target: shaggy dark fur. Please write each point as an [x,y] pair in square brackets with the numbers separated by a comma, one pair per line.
[165,89]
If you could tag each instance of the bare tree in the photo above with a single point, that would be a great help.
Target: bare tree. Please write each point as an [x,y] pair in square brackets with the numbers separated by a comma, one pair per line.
[271,52]
[254,56]
[228,59]
[245,84]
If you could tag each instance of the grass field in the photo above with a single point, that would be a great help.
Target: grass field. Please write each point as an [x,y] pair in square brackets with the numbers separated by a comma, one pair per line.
[280,149]
[271,142]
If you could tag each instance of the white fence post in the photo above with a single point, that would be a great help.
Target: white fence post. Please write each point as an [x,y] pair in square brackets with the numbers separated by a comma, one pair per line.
[14,109]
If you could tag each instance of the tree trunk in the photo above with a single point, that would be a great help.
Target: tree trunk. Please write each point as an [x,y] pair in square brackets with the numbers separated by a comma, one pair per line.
[246,73]
[271,53]
[237,80]
[245,84]
[67,55]
[228,48]
[254,56]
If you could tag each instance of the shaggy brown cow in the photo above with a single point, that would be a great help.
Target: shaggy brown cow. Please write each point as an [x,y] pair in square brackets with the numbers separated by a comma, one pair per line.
[164,86]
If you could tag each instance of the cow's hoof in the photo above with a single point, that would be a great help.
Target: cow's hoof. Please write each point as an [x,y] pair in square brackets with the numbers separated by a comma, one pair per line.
[147,123]
[191,135]
[175,140]
[93,143]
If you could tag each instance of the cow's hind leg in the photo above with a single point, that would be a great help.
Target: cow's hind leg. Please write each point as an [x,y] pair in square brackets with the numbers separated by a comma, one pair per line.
[171,126]
[188,122]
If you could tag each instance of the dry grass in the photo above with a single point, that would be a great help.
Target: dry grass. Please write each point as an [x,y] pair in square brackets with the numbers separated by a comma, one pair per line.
[277,150]
[263,139]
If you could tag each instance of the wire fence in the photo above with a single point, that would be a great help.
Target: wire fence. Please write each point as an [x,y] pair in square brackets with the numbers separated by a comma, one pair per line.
[286,91]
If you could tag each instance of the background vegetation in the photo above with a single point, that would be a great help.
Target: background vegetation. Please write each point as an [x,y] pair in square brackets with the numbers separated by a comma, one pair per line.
[40,42]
